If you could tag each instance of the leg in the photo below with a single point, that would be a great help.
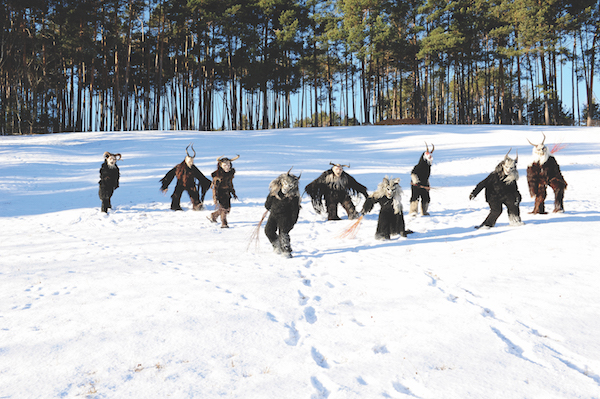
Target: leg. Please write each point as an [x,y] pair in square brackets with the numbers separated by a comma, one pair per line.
[286,247]
[383,226]
[540,197]
[349,207]
[271,233]
[559,194]
[332,206]
[195,198]
[424,201]
[495,211]
[514,214]
[176,197]
[414,201]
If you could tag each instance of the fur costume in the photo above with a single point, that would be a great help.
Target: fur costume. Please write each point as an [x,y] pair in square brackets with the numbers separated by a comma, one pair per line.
[283,202]
[501,188]
[187,173]
[335,186]
[541,173]
[223,190]
[109,179]
[391,220]
[420,182]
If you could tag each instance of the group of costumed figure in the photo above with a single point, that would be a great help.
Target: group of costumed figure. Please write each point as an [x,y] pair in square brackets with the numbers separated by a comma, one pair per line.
[335,187]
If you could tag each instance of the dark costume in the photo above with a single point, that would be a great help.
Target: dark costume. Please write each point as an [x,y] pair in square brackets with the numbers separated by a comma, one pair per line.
[541,173]
[501,188]
[420,183]
[223,190]
[335,186]
[283,202]
[109,179]
[187,173]
[391,220]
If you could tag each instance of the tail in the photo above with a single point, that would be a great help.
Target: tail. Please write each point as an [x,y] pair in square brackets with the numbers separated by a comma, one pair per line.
[256,233]
[351,231]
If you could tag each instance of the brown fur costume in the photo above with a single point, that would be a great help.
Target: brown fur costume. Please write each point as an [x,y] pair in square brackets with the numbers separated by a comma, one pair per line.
[187,173]
[223,189]
[541,173]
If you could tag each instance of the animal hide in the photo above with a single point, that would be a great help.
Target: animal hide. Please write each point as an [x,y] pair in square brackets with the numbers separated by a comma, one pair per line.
[283,202]
[334,190]
[500,190]
[391,220]
[109,182]
[186,181]
[539,177]
[222,187]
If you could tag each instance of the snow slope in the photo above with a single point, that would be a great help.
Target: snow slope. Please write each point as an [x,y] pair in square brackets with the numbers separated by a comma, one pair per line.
[149,303]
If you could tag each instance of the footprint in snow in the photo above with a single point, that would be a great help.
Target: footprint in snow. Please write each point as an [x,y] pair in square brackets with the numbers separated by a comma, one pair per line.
[319,358]
[310,315]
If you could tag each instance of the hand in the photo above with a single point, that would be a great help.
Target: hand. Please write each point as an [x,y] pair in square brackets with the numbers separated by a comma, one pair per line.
[471,196]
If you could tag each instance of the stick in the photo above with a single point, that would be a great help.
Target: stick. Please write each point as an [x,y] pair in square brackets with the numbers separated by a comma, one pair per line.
[256,233]
[351,231]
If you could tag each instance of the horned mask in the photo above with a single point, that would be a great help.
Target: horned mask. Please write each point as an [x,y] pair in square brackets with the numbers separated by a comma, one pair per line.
[189,159]
[428,156]
[540,151]
[287,183]
[225,163]
[111,159]
[509,167]
[338,168]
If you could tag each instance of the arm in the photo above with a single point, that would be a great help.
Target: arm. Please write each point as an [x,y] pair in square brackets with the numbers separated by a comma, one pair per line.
[479,187]
[368,205]
[165,181]
[203,180]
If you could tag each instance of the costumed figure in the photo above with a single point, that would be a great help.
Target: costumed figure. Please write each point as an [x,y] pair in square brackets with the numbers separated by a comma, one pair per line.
[541,173]
[187,173]
[391,220]
[223,190]
[501,188]
[335,186]
[283,202]
[109,179]
[420,183]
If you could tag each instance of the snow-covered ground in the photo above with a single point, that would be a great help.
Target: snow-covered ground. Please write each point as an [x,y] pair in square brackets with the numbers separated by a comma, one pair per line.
[149,303]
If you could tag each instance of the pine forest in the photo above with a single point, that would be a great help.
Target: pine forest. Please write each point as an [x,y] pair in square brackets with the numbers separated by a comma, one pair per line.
[114,65]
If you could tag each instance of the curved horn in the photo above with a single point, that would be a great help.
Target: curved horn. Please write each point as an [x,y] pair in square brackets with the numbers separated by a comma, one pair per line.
[106,154]
[544,138]
[219,158]
[506,156]
[432,148]
[188,154]
[346,166]
[288,172]
[427,147]
[234,158]
[531,143]
[517,157]
[118,156]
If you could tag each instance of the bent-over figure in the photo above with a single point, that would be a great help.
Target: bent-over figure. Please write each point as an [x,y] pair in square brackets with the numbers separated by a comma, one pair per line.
[501,189]
[283,202]
[187,173]
[391,220]
[335,187]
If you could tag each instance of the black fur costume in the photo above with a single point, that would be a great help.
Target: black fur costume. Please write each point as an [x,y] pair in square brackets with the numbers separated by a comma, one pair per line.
[501,188]
[187,173]
[335,189]
[223,189]
[283,202]
[109,179]
[391,220]
[420,183]
[541,173]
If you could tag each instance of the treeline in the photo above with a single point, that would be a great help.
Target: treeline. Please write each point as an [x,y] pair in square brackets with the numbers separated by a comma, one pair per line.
[87,65]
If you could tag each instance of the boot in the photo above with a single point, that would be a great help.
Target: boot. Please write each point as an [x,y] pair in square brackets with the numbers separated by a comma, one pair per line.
[424,206]
[286,247]
[277,246]
[175,206]
[559,195]
[105,206]
[213,216]
[413,208]
[224,224]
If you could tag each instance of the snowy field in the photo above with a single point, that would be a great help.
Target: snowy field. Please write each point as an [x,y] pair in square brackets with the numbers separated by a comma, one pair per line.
[149,303]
